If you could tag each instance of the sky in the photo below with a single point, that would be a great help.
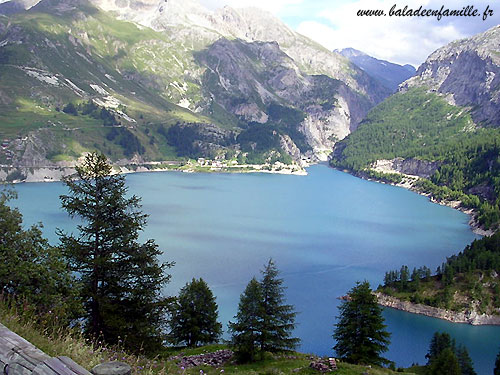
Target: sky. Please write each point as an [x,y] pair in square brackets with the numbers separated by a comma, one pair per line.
[403,40]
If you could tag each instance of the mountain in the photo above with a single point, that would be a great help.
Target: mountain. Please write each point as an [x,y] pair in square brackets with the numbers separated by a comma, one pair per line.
[157,80]
[466,73]
[443,126]
[389,74]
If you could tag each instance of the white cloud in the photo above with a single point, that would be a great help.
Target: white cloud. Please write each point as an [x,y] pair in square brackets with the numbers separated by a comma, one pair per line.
[273,6]
[397,39]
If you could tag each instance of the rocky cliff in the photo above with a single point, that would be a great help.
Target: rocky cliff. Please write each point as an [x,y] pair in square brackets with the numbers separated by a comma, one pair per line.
[175,63]
[467,73]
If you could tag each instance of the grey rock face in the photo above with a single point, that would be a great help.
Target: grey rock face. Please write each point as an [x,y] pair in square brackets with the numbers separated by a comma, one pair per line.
[467,73]
[415,167]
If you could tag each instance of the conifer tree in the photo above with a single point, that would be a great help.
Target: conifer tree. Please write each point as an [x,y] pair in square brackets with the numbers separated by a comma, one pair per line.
[465,361]
[246,330]
[360,332]
[194,317]
[263,322]
[278,319]
[439,342]
[496,371]
[446,363]
[122,279]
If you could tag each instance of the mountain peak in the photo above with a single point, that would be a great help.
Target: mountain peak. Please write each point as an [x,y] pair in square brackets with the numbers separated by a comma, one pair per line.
[387,73]
[350,52]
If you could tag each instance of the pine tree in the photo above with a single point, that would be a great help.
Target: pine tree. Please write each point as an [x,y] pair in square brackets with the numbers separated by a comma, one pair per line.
[31,270]
[446,363]
[439,342]
[122,279]
[278,319]
[194,319]
[496,371]
[246,331]
[360,332]
[465,361]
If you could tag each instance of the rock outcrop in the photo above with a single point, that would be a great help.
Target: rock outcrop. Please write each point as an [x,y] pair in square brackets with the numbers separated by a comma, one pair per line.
[468,316]
[409,166]
[467,73]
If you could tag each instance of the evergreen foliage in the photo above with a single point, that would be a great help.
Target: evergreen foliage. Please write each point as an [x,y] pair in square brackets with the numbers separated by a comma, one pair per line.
[194,318]
[444,357]
[496,371]
[263,322]
[360,332]
[121,278]
[439,342]
[446,363]
[465,361]
[463,274]
[421,125]
[246,331]
[278,319]
[31,269]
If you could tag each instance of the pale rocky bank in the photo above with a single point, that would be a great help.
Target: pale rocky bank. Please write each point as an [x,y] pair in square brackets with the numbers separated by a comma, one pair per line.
[469,316]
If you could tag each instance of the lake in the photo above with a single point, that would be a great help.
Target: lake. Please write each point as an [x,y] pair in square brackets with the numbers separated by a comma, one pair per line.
[325,231]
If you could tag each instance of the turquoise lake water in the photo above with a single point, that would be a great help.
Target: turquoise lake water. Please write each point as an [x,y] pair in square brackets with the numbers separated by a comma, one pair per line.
[325,231]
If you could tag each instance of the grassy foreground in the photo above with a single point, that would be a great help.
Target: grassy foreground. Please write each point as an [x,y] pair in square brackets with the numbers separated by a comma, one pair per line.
[57,341]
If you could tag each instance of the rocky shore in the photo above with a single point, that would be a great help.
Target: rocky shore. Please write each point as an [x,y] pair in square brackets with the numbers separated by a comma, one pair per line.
[53,173]
[469,317]
[412,170]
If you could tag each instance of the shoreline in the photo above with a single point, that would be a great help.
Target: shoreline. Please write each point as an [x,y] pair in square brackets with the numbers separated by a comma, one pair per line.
[55,173]
[408,184]
[464,317]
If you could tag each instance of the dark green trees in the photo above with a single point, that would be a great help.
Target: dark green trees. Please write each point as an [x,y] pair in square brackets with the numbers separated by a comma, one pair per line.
[263,322]
[122,279]
[360,332]
[194,317]
[278,319]
[496,371]
[446,363]
[246,331]
[445,358]
[32,269]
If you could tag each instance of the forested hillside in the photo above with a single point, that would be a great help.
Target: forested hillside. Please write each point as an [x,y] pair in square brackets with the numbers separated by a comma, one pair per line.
[424,124]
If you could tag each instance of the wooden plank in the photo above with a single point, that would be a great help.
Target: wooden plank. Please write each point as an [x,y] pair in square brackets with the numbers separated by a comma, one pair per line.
[75,367]
[23,358]
[58,367]
[42,369]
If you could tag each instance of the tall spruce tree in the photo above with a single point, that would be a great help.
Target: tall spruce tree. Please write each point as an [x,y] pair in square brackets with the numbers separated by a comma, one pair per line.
[439,342]
[194,317]
[263,322]
[360,332]
[446,363]
[122,279]
[247,329]
[496,371]
[278,319]
[465,361]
